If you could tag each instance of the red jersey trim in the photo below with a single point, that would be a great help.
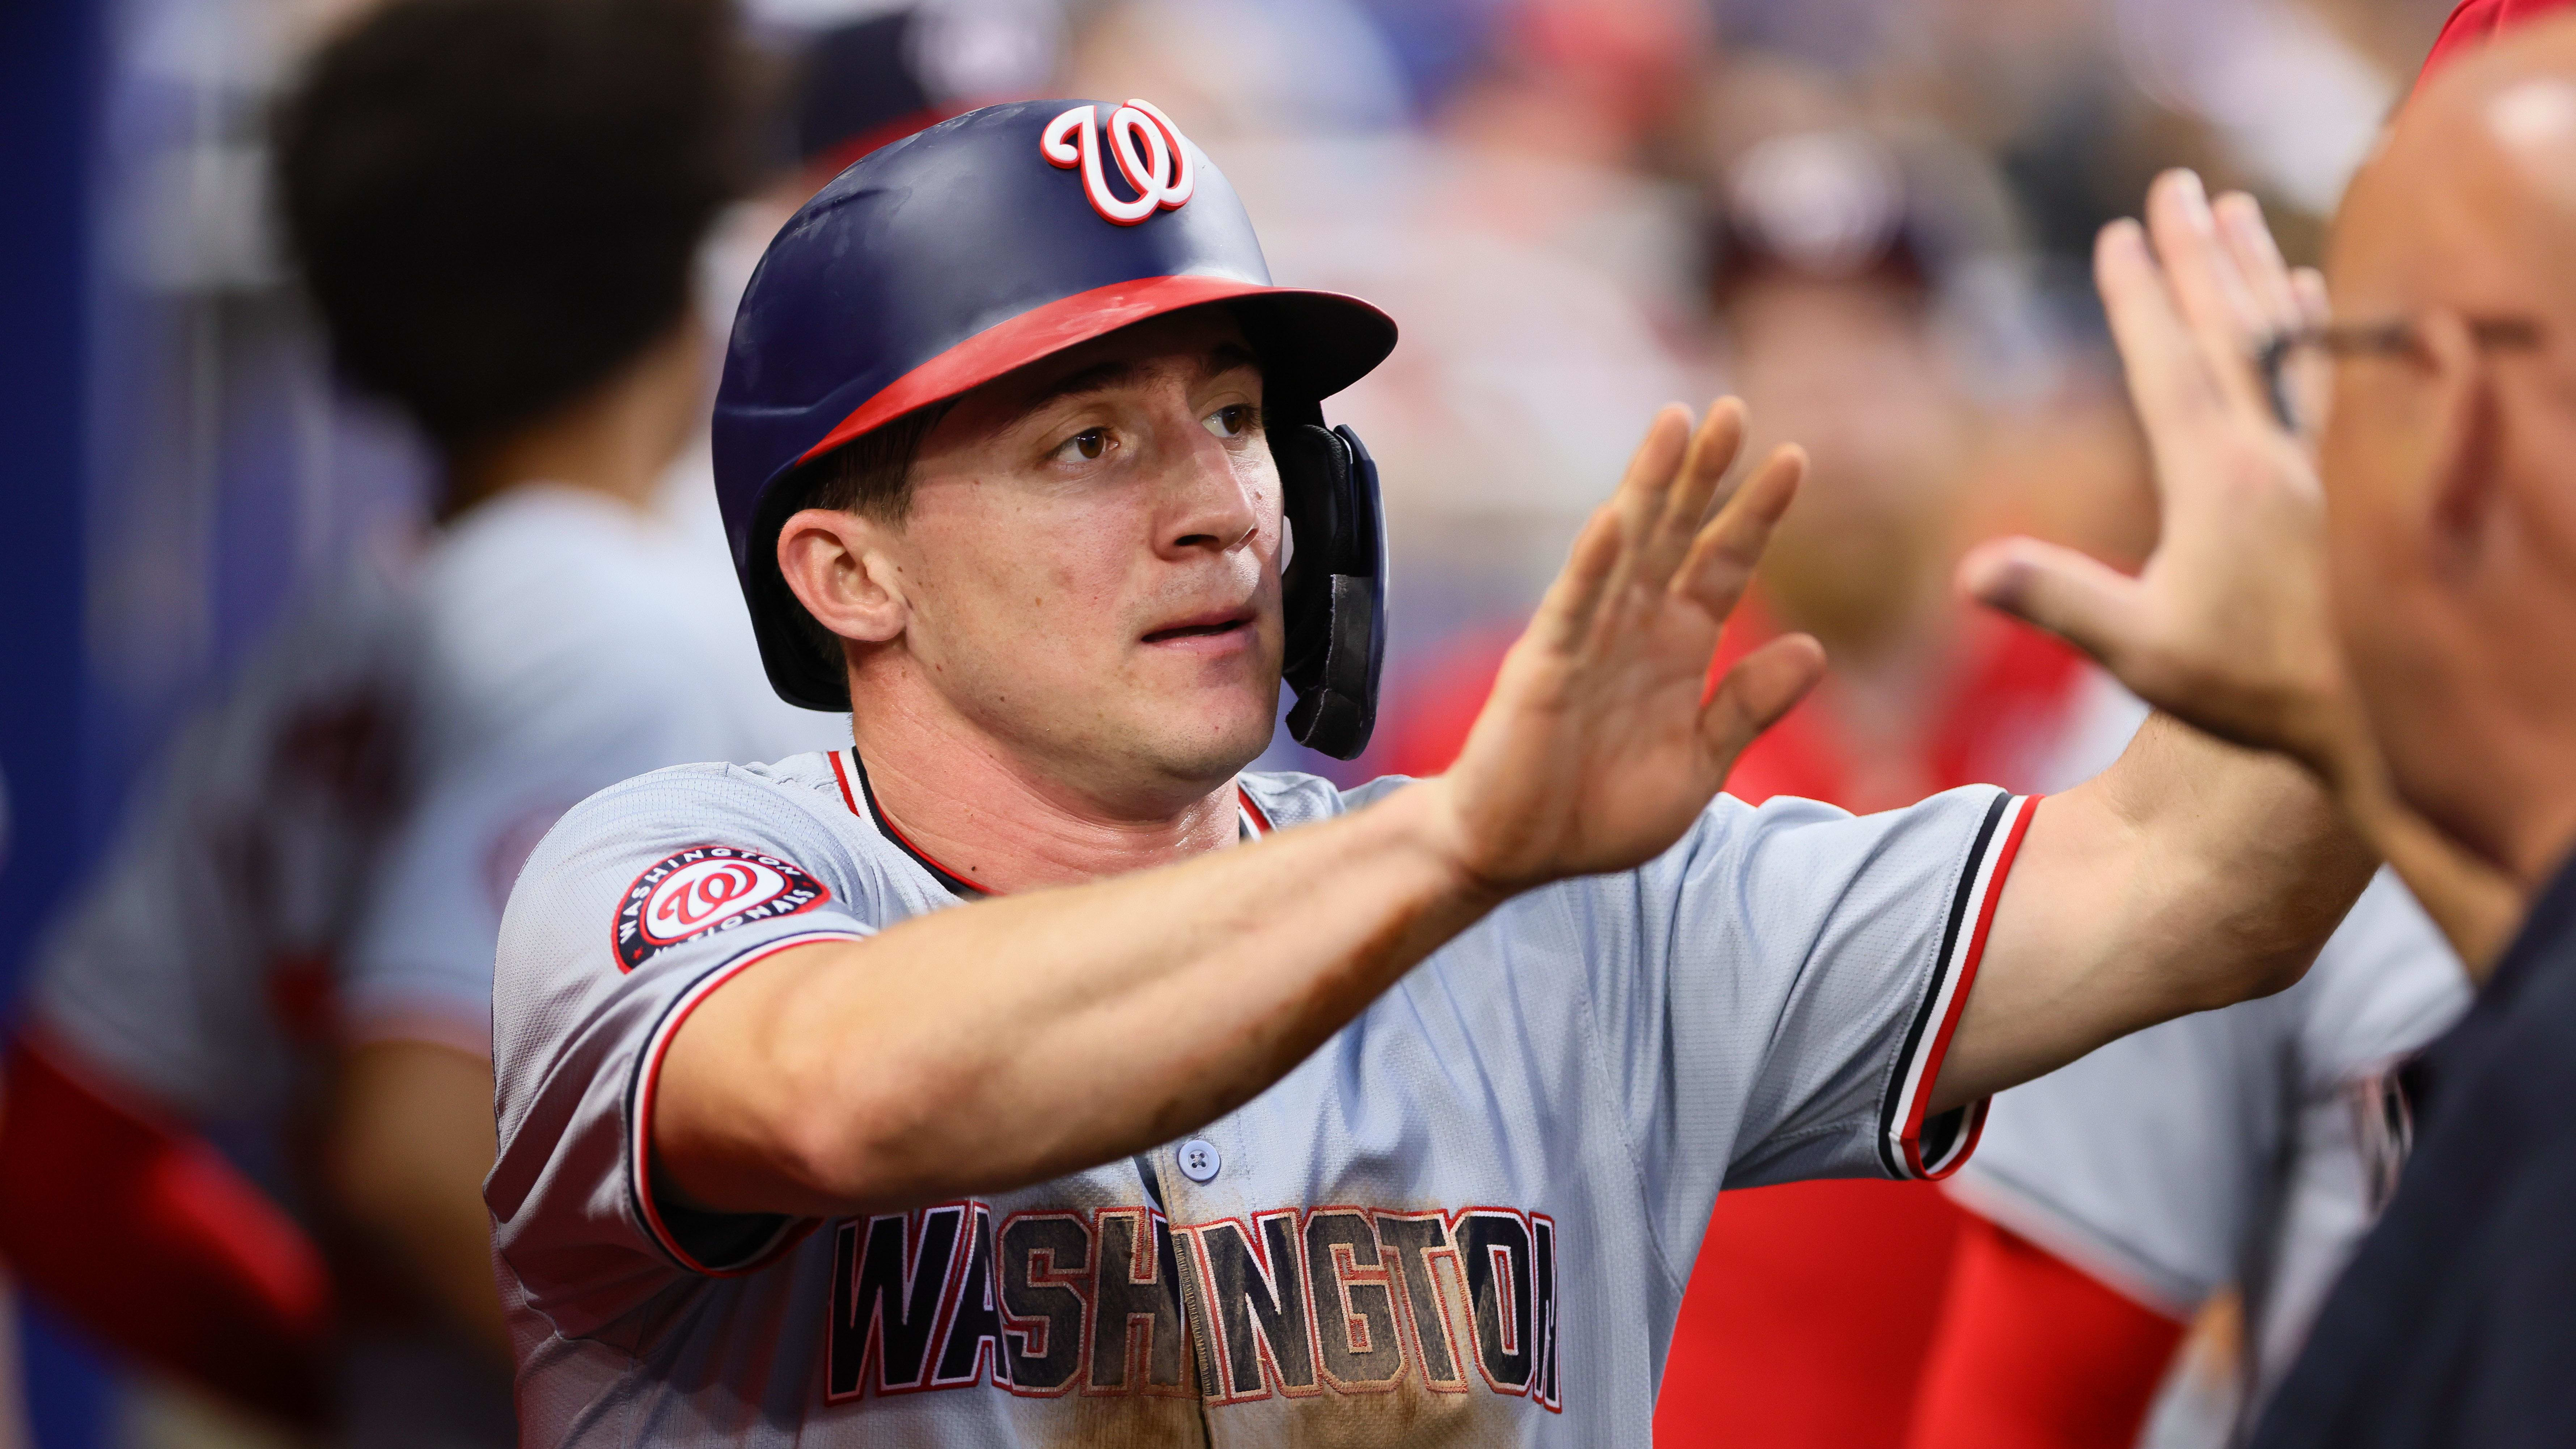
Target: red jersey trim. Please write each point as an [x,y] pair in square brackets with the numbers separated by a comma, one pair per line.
[1902,1149]
[962,887]
[843,776]
[1256,820]
[648,1073]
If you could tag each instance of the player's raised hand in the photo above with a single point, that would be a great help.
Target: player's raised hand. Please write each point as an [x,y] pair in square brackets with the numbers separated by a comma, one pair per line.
[2227,626]
[1601,741]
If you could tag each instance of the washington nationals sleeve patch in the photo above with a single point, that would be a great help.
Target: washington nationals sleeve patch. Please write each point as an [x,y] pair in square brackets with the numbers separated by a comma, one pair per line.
[705,889]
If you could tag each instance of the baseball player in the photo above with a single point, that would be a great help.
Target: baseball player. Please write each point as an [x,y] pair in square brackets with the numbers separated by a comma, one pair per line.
[293,934]
[1027,1072]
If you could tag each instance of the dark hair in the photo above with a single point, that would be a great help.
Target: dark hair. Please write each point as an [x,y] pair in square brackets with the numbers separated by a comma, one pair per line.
[872,475]
[497,204]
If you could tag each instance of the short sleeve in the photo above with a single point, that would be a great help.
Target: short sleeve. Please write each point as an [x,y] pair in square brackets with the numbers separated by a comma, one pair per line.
[420,968]
[641,902]
[1775,995]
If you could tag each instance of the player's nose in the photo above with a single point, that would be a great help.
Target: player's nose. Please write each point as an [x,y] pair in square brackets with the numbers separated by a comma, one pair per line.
[1209,494]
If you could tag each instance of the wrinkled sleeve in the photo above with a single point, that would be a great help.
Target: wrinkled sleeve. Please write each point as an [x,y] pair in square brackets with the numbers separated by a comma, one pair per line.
[640,903]
[1775,995]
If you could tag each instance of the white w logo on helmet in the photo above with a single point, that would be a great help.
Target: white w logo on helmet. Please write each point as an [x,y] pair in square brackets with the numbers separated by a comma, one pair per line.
[1150,155]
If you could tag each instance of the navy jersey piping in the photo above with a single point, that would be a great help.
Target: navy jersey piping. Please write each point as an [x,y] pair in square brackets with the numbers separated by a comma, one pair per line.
[1892,1102]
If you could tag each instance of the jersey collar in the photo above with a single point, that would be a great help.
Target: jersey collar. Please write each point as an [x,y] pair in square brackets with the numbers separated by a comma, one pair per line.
[1252,822]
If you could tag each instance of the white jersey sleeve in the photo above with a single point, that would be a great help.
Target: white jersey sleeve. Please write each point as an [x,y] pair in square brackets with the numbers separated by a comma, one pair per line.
[204,952]
[569,643]
[641,901]
[2226,1147]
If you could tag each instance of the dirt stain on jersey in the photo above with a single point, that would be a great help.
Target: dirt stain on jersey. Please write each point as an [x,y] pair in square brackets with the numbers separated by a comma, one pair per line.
[1411,1417]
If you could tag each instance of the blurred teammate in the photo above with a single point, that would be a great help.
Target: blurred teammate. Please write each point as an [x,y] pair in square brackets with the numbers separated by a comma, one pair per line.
[497,206]
[1812,1306]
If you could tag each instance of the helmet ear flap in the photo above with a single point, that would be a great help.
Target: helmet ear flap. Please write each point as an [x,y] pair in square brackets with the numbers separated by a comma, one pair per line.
[1334,594]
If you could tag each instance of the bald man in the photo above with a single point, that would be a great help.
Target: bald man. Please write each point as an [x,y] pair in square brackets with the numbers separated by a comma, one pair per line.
[2406,631]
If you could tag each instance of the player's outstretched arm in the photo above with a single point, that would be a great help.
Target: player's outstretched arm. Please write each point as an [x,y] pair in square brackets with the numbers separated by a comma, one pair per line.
[2192,873]
[2228,626]
[1069,1027]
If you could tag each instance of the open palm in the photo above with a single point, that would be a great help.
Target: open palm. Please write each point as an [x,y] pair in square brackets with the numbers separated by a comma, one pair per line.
[2227,626]
[1602,741]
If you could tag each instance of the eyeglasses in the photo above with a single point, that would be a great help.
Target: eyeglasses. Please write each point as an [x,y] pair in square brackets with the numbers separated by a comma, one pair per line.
[2371,339]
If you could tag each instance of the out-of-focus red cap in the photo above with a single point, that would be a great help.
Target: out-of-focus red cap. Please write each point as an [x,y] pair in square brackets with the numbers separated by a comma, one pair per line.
[2476,22]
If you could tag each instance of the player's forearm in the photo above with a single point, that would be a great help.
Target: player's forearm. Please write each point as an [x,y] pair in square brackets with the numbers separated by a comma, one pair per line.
[2190,875]
[980,1049]
[411,1139]
[2242,867]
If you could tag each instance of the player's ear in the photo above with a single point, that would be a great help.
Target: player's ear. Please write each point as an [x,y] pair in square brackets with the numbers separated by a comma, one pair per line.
[838,565]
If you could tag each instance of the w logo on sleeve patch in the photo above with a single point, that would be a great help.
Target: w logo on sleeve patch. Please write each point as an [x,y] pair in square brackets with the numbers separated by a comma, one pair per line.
[705,889]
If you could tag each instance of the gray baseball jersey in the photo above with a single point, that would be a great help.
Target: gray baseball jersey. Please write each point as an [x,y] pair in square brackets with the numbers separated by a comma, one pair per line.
[1468,1216]
[2250,1146]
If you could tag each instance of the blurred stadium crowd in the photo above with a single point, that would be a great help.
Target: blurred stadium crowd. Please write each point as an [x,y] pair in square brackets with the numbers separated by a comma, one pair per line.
[1870,218]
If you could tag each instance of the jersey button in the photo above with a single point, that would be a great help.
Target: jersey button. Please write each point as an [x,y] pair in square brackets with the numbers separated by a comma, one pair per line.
[1199,1160]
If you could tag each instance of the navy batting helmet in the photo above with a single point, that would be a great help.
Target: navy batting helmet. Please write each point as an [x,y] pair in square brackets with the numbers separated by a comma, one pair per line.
[997,238]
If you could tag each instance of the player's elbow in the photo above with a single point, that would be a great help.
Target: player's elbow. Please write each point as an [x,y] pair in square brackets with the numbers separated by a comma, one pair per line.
[2259,967]
[829,1169]
[2228,942]
[2198,934]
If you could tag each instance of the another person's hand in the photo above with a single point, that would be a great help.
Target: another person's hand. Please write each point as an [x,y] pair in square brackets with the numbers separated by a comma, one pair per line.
[1602,740]
[2227,627]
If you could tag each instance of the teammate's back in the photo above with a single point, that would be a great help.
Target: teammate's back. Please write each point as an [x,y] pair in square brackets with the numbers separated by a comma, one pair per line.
[497,206]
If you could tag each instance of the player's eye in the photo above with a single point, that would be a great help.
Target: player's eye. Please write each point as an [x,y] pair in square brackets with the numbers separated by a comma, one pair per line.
[1231,421]
[1086,445]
